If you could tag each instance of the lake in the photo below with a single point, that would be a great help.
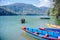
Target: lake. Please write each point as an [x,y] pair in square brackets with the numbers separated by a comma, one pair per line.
[10,26]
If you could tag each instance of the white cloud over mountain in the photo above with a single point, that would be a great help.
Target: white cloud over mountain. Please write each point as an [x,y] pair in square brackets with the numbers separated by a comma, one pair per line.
[45,3]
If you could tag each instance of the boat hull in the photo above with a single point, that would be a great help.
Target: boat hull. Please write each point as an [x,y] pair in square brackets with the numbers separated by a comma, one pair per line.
[41,34]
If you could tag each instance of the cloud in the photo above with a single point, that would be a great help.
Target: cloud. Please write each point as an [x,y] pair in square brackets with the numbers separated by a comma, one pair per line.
[45,3]
[6,3]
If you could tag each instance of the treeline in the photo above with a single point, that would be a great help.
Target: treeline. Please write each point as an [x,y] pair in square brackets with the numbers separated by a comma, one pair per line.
[56,10]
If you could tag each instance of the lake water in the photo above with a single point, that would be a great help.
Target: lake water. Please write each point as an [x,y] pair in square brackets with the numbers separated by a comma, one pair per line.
[10,26]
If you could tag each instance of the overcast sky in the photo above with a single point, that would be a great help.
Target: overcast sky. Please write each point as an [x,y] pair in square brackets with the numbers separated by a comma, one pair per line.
[37,3]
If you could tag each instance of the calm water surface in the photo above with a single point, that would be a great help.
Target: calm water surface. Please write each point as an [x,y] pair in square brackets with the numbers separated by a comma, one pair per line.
[10,26]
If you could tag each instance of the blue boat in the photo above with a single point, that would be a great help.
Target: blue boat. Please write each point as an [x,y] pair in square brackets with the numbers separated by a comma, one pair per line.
[45,33]
[53,29]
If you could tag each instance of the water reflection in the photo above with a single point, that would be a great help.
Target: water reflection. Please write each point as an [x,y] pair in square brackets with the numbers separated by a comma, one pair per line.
[28,37]
[56,21]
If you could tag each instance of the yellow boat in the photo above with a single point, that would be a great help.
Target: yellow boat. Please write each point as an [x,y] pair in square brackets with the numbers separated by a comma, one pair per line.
[52,26]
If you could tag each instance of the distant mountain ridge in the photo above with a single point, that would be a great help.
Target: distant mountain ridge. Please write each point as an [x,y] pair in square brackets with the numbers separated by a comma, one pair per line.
[21,8]
[4,12]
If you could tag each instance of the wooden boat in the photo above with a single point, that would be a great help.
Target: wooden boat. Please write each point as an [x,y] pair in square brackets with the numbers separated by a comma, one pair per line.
[52,29]
[44,18]
[45,33]
[52,26]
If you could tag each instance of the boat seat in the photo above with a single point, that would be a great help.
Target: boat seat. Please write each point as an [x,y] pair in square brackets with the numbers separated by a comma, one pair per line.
[56,35]
[44,32]
[51,37]
[50,33]
[53,34]
[34,30]
[27,29]
[30,30]
[39,31]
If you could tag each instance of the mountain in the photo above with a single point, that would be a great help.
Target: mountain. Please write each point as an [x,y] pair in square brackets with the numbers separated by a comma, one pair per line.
[21,8]
[5,12]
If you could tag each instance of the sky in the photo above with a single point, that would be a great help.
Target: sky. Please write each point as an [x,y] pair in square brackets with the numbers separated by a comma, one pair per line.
[37,3]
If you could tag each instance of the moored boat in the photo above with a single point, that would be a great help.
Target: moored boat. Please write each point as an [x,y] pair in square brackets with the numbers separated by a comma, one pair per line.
[52,26]
[42,33]
[45,18]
